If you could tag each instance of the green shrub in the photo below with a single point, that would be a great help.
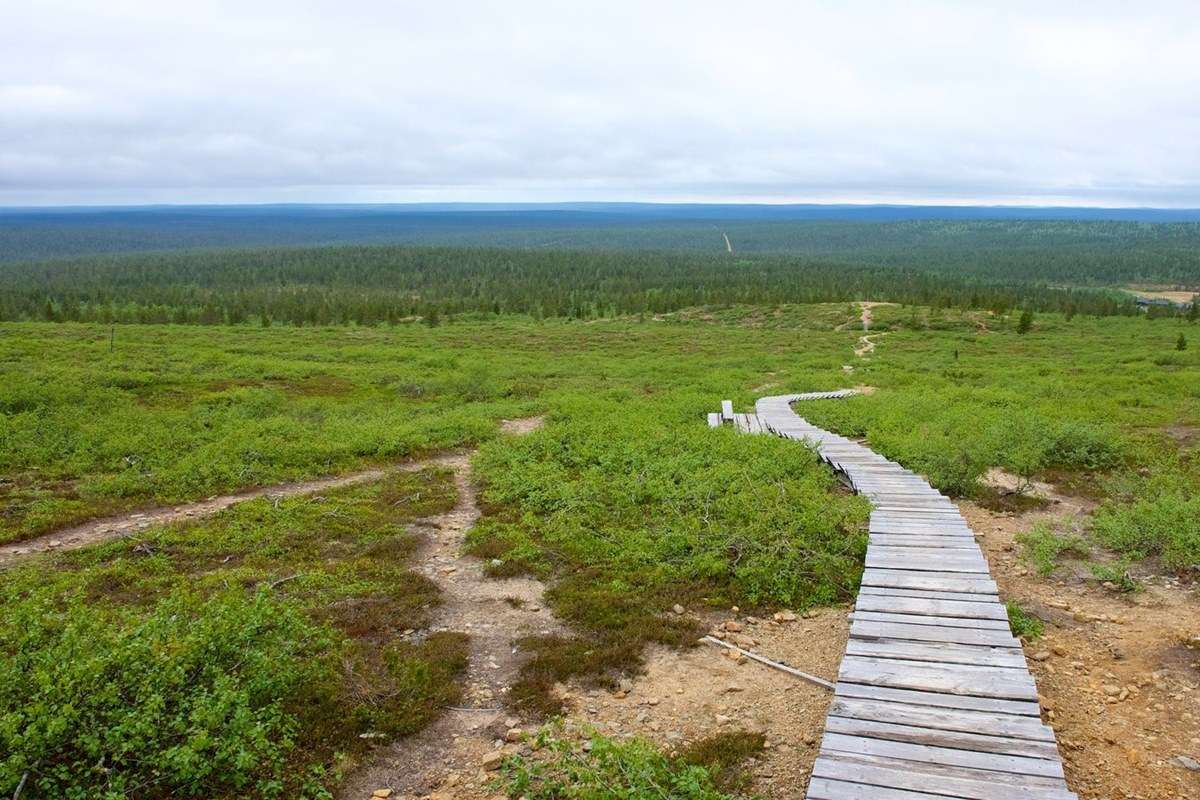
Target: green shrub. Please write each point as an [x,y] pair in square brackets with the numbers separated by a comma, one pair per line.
[1024,625]
[1044,547]
[628,508]
[184,667]
[564,769]
[198,699]
[1166,526]
[1116,573]
[724,756]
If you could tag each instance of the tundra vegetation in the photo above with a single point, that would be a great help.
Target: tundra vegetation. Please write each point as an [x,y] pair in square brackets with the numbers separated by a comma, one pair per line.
[246,655]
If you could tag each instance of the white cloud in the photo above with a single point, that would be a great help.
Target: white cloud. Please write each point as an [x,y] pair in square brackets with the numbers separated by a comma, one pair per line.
[132,101]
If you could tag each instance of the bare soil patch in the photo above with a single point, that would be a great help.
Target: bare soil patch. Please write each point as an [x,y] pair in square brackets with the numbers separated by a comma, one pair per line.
[1175,296]
[1117,683]
[865,344]
[685,696]
[520,427]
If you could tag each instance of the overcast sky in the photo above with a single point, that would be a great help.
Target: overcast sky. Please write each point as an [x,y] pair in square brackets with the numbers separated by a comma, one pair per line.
[131,101]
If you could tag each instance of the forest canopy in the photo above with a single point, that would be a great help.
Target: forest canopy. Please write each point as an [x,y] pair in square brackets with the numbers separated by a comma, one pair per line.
[373,284]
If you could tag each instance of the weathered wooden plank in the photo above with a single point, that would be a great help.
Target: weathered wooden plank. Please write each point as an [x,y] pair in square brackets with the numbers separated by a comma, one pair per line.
[828,789]
[916,515]
[903,558]
[902,540]
[714,420]
[934,737]
[922,579]
[928,619]
[1005,684]
[949,524]
[947,756]
[865,691]
[941,652]
[938,536]
[727,410]
[934,699]
[885,591]
[935,608]
[960,782]
[870,629]
[1013,726]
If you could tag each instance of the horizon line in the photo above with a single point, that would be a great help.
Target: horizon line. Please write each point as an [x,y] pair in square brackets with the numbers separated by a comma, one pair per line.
[595,203]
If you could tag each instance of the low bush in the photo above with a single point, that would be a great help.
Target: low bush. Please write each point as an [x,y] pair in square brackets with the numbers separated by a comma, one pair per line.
[1043,547]
[631,508]
[184,667]
[567,769]
[1024,625]
[196,699]
[1165,525]
[1116,573]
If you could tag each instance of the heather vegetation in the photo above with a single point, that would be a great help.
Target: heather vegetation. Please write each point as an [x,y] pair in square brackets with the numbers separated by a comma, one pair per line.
[247,655]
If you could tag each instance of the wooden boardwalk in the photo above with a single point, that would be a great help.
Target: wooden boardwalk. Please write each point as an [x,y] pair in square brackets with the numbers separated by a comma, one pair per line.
[933,698]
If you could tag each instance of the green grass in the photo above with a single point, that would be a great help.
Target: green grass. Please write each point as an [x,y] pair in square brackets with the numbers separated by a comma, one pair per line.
[175,413]
[960,392]
[184,665]
[629,506]
[625,503]
[1116,573]
[1044,547]
[567,769]
[1024,625]
[1155,512]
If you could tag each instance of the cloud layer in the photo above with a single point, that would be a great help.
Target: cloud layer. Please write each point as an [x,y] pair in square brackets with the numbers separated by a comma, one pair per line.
[130,101]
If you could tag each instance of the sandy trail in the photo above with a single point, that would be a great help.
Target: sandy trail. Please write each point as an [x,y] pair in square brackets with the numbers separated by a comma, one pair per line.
[865,345]
[129,523]
[117,526]
[446,756]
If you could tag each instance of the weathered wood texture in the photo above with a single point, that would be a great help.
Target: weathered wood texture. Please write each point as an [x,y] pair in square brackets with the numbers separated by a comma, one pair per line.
[933,699]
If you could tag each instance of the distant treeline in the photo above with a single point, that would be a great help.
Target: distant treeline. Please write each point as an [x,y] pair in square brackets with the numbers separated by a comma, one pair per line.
[374,284]
[1083,250]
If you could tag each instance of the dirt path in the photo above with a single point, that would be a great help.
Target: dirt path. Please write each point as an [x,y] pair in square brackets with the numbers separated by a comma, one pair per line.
[117,526]
[99,530]
[865,345]
[1117,682]
[446,756]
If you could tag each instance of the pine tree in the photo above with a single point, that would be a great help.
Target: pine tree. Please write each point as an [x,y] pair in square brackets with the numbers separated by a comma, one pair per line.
[1181,342]
[1025,325]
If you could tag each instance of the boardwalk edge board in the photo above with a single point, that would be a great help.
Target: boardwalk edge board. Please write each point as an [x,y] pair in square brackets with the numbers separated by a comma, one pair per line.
[934,698]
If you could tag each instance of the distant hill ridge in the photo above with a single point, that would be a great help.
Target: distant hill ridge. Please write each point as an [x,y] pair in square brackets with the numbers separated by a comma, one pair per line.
[34,234]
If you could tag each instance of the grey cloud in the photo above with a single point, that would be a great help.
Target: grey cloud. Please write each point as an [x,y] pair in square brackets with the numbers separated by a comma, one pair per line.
[132,101]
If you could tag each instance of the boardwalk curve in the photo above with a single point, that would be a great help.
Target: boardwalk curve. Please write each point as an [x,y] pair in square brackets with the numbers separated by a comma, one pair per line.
[933,699]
